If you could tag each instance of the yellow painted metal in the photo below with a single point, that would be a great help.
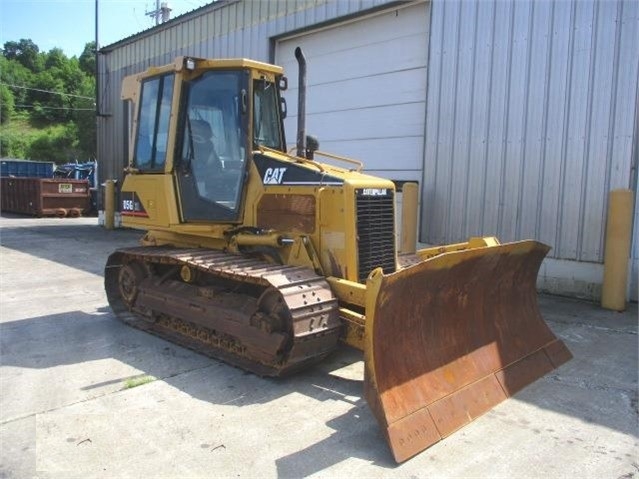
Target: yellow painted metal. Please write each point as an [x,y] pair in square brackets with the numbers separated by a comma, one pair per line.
[157,197]
[359,166]
[237,63]
[181,239]
[302,253]
[348,292]
[617,250]
[354,328]
[331,231]
[409,218]
[109,204]
[272,240]
[475,242]
[373,286]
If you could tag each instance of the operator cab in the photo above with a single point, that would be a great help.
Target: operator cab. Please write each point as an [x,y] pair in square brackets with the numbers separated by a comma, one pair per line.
[214,108]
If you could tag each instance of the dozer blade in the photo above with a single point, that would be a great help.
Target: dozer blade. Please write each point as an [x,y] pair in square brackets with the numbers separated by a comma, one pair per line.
[452,336]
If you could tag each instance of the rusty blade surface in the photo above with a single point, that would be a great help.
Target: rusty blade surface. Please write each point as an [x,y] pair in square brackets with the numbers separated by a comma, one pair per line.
[449,338]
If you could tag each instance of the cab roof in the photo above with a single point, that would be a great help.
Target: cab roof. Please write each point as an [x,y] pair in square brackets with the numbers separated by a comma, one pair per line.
[129,88]
[180,63]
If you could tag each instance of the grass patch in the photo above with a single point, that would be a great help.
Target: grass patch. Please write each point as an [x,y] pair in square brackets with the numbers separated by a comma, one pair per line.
[138,381]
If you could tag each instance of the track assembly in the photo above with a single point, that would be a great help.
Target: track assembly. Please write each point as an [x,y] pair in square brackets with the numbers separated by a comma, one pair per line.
[269,319]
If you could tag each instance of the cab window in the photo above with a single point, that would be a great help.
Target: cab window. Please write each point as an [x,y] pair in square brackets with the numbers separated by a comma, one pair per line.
[153,123]
[266,115]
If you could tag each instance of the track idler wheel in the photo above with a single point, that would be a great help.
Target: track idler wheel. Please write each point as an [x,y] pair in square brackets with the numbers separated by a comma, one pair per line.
[273,315]
[129,279]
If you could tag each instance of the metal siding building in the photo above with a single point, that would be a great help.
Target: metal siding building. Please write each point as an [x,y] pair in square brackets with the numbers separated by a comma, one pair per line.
[531,119]
[517,118]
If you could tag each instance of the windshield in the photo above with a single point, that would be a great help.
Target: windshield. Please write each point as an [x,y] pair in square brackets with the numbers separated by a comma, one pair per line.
[266,118]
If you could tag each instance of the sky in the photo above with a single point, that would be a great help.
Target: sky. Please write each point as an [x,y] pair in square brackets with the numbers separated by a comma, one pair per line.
[70,24]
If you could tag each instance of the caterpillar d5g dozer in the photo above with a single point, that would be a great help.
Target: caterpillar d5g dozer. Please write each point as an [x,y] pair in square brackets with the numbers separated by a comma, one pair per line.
[267,260]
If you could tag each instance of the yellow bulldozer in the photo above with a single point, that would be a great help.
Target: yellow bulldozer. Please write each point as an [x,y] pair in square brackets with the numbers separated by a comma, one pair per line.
[268,260]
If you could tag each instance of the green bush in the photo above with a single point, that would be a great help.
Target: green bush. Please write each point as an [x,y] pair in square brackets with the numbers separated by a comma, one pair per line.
[7,104]
[57,144]
[14,145]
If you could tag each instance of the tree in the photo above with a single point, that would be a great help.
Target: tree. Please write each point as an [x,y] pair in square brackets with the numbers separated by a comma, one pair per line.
[56,59]
[6,104]
[87,59]
[25,52]
[47,106]
[55,94]
[14,73]
[84,117]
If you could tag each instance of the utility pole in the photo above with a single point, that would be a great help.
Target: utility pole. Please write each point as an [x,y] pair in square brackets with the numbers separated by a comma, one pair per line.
[161,12]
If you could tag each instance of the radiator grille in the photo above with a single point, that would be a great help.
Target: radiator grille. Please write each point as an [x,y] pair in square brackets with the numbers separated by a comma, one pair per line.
[375,231]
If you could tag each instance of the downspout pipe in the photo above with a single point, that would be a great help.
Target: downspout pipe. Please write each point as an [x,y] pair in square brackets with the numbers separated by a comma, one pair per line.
[301,103]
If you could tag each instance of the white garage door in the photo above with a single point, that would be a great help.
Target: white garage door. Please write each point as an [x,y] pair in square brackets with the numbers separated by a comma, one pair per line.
[366,89]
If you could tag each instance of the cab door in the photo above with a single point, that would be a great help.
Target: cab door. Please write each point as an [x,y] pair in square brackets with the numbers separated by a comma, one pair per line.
[211,152]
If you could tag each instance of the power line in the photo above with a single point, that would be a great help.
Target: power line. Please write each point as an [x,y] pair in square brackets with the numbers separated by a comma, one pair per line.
[54,107]
[47,91]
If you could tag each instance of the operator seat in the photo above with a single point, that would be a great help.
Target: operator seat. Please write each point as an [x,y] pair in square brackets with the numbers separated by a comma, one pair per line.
[204,155]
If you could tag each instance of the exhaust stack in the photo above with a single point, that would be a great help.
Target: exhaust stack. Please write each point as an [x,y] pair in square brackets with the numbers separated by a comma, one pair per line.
[301,103]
